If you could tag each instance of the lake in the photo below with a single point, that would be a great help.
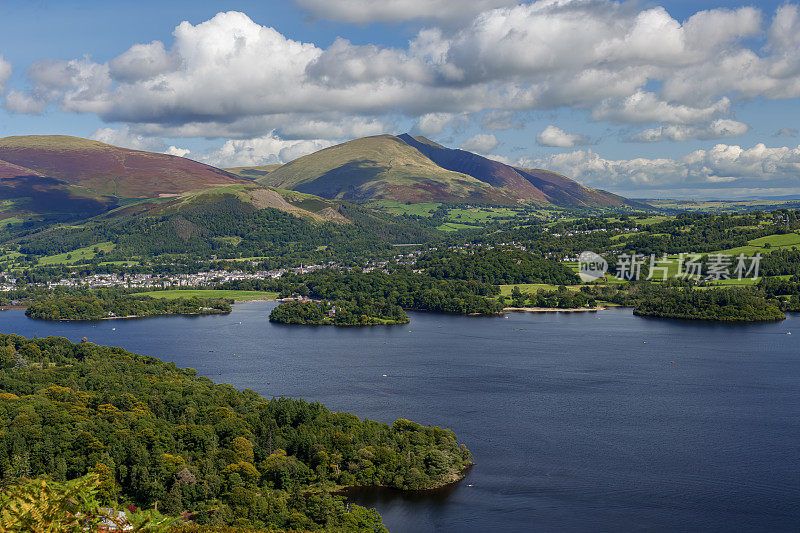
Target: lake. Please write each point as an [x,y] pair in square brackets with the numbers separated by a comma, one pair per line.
[585,421]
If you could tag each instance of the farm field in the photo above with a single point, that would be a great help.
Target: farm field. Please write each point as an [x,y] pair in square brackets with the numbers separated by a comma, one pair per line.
[505,290]
[453,226]
[481,215]
[210,293]
[86,253]
[399,208]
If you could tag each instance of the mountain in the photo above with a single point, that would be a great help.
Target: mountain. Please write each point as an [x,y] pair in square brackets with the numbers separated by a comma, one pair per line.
[105,170]
[416,169]
[253,172]
[383,167]
[247,197]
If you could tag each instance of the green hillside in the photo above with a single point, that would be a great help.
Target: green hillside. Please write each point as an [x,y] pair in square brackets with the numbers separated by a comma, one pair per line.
[380,167]
[410,169]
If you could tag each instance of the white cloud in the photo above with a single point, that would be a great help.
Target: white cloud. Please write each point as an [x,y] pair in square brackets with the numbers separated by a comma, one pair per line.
[758,166]
[125,138]
[481,143]
[719,129]
[5,73]
[556,137]
[180,152]
[231,77]
[774,73]
[433,123]
[19,102]
[500,120]
[143,62]
[367,11]
[261,151]
[81,85]
[642,107]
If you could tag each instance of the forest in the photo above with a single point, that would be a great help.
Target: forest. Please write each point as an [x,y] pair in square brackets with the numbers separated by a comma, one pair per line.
[155,434]
[231,228]
[104,304]
[338,313]
[496,266]
[401,287]
[718,304]
[562,298]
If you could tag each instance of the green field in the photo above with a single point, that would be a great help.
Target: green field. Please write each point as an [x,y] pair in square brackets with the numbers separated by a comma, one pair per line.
[399,208]
[480,215]
[621,235]
[723,206]
[76,256]
[776,242]
[211,293]
[453,226]
[505,290]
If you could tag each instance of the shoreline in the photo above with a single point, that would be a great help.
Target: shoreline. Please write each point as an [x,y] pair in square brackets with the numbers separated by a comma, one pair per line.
[450,481]
[553,309]
[127,317]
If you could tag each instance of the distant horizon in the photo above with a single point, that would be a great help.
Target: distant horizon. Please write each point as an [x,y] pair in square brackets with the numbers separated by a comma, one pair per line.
[676,98]
[694,195]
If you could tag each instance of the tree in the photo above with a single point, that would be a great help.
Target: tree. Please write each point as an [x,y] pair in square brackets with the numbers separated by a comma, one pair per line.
[7,356]
[44,506]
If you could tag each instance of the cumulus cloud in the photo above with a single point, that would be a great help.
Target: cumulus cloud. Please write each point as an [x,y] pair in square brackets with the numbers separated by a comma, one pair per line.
[482,143]
[82,85]
[264,150]
[180,152]
[143,62]
[541,55]
[5,73]
[623,63]
[367,11]
[774,74]
[496,120]
[556,137]
[642,107]
[724,164]
[19,102]
[125,138]
[719,129]
[434,123]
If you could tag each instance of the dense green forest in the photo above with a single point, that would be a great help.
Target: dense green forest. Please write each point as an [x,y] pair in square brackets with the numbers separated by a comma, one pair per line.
[400,287]
[338,313]
[96,305]
[557,299]
[231,228]
[785,291]
[720,304]
[153,432]
[497,267]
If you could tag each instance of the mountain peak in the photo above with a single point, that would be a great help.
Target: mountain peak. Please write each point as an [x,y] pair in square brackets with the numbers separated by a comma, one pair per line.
[105,169]
[413,169]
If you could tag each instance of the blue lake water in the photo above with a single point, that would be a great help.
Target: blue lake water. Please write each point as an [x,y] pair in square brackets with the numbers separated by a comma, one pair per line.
[578,422]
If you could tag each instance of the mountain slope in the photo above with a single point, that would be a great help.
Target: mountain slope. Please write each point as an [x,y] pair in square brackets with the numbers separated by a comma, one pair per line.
[104,169]
[380,167]
[250,196]
[10,170]
[416,169]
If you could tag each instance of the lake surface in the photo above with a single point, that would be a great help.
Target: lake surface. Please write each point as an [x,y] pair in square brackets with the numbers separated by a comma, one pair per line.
[577,421]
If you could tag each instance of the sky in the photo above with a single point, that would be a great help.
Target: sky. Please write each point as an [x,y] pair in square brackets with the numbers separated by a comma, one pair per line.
[677,99]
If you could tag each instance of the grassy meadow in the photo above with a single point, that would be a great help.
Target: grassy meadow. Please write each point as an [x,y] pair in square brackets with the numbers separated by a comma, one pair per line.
[210,293]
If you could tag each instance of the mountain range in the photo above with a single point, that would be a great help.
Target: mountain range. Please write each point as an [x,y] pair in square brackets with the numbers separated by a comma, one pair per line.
[69,177]
[415,169]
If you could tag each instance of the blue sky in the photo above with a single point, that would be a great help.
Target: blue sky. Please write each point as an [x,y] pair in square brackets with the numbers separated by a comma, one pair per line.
[678,98]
